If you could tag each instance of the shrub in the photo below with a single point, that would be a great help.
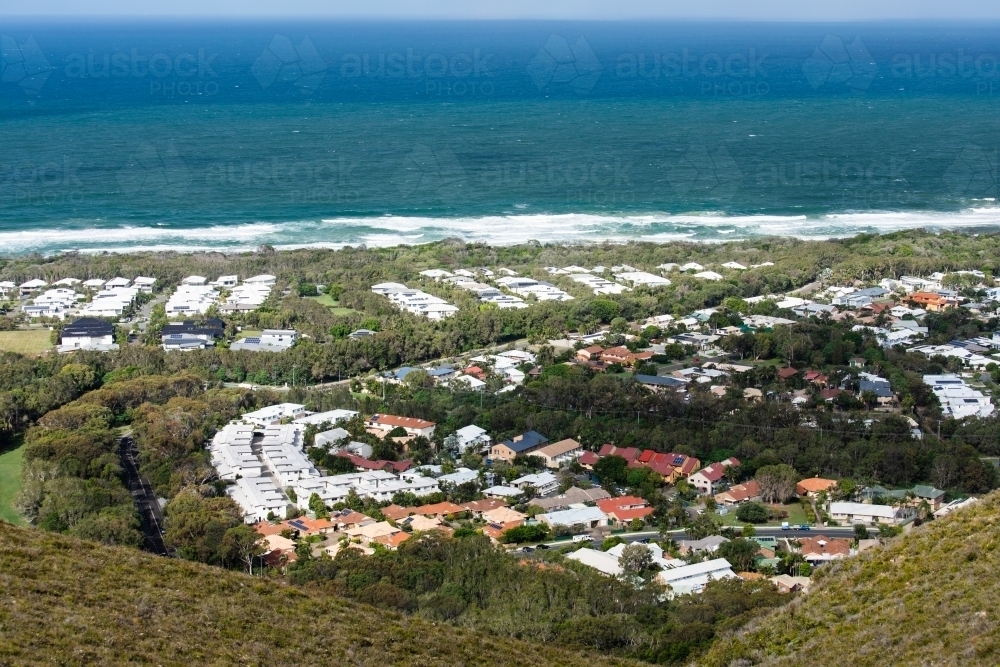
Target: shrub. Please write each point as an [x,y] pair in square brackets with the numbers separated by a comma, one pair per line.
[752,513]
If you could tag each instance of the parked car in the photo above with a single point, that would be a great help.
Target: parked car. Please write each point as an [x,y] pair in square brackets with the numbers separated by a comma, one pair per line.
[804,527]
[785,526]
[528,550]
[542,546]
[582,538]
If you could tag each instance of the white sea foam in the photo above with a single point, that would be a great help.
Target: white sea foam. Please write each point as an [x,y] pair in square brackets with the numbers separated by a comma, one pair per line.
[497,230]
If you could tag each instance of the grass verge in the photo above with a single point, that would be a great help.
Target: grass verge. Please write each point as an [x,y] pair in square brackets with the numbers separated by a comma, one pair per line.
[10,482]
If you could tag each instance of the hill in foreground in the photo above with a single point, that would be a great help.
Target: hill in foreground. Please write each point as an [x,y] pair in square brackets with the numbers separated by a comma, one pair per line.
[929,598]
[66,601]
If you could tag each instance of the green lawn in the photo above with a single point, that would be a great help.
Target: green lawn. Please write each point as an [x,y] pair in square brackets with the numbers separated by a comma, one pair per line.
[795,513]
[30,343]
[327,300]
[10,483]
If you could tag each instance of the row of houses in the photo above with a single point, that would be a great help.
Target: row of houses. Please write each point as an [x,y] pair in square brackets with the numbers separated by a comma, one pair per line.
[415,301]
[141,283]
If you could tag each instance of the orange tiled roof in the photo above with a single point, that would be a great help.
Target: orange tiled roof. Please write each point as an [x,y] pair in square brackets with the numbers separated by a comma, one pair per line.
[814,485]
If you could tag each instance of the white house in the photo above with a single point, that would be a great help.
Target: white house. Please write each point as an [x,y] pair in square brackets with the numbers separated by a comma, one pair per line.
[472,437]
[262,279]
[258,496]
[588,517]
[329,417]
[693,578]
[144,283]
[707,480]
[270,340]
[543,482]
[863,513]
[273,414]
[87,334]
[194,280]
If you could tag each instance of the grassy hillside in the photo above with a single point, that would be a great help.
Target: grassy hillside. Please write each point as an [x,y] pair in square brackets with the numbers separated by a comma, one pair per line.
[10,480]
[65,601]
[930,598]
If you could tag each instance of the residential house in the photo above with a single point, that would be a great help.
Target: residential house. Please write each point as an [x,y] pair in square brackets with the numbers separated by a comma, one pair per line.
[863,513]
[822,549]
[591,353]
[693,578]
[472,438]
[587,517]
[544,483]
[519,445]
[273,414]
[502,492]
[660,383]
[708,480]
[930,302]
[624,508]
[571,497]
[87,333]
[932,496]
[814,486]
[558,453]
[786,583]
[385,424]
[478,507]
[383,533]
[739,494]
[708,544]
[269,340]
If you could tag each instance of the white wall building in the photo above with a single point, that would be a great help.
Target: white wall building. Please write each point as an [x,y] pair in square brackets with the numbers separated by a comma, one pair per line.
[273,414]
[957,399]
[258,496]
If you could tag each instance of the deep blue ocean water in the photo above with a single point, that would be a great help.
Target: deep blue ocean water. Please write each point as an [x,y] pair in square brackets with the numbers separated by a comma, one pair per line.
[186,136]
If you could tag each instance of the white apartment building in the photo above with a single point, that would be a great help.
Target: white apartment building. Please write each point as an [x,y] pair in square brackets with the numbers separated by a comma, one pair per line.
[273,414]
[598,284]
[269,340]
[637,278]
[144,284]
[190,298]
[376,484]
[957,399]
[111,301]
[331,417]
[258,496]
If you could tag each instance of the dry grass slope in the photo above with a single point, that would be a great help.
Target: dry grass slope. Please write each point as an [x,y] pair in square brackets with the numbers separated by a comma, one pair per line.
[930,598]
[65,601]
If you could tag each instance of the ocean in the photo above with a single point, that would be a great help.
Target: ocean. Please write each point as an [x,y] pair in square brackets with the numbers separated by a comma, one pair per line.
[125,136]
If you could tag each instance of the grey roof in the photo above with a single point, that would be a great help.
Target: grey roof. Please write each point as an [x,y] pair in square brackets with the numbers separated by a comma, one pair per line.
[527,440]
[573,496]
[880,389]
[710,542]
[659,380]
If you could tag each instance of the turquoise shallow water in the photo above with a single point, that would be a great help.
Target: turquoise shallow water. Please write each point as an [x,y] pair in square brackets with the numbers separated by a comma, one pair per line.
[121,136]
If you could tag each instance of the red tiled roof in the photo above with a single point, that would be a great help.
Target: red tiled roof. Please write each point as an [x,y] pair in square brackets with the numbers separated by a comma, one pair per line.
[645,456]
[588,459]
[395,512]
[485,505]
[830,546]
[714,472]
[628,502]
[787,372]
[438,509]
[742,492]
[405,422]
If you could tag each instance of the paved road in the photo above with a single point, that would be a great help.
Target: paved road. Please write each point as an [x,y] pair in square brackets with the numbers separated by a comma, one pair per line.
[764,531]
[145,499]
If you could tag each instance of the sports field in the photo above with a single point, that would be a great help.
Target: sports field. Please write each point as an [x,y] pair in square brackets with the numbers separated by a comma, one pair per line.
[30,343]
